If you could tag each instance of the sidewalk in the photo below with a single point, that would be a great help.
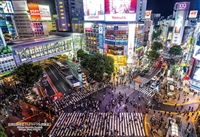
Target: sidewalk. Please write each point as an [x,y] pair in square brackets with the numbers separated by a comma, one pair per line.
[155,128]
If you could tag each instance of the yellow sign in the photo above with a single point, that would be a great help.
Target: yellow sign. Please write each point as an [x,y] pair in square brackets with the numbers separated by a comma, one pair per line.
[137,49]
[119,60]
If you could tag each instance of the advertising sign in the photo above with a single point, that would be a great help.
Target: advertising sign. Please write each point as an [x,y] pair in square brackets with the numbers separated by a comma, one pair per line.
[148,14]
[131,41]
[93,10]
[45,12]
[193,13]
[88,26]
[34,11]
[180,17]
[7,7]
[120,10]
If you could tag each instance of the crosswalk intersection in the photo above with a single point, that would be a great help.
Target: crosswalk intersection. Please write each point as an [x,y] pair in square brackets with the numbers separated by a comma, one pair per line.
[100,124]
[71,99]
[147,91]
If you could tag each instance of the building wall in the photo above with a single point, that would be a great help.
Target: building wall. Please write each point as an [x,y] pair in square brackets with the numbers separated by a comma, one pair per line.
[23,25]
[63,21]
[48,26]
[7,63]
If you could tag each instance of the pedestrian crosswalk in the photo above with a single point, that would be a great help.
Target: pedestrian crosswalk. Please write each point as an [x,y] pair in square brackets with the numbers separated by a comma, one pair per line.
[71,99]
[100,124]
[148,91]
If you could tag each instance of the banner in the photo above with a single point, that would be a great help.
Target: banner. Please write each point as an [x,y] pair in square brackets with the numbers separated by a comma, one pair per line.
[34,11]
[193,13]
[148,14]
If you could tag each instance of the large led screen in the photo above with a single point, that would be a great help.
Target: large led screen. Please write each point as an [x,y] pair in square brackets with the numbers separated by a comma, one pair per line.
[120,10]
[93,10]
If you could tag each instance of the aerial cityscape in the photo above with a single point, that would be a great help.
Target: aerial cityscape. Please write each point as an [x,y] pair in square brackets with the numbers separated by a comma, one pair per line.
[99,68]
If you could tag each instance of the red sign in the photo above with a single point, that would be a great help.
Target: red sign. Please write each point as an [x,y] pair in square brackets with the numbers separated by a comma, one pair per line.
[34,11]
[193,13]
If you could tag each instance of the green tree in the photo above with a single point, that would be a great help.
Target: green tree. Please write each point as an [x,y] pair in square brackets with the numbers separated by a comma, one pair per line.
[108,64]
[156,34]
[2,132]
[156,45]
[28,74]
[175,50]
[152,55]
[96,64]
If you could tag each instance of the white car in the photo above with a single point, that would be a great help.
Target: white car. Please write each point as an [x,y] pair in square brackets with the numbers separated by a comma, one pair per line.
[154,78]
[153,85]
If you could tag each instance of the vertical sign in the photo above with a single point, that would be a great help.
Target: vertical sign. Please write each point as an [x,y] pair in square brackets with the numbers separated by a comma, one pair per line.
[34,11]
[100,36]
[131,41]
[182,9]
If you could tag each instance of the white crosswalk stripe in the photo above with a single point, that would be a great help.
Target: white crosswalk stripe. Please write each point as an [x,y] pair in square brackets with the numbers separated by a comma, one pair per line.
[77,124]
[72,98]
[149,92]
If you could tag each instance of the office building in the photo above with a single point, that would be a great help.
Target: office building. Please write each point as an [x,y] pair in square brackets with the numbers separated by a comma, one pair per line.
[63,20]
[70,15]
[22,20]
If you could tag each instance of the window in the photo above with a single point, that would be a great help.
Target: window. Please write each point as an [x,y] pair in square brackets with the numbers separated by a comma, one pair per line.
[61,10]
[61,6]
[60,2]
[63,24]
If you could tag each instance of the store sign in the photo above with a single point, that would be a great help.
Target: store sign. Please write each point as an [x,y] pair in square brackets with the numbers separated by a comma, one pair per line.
[193,13]
[88,26]
[101,41]
[100,29]
[119,10]
[45,12]
[131,41]
[7,7]
[148,14]
[34,11]
[93,10]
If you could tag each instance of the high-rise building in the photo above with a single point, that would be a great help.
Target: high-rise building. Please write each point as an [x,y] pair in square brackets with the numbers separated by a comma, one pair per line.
[63,20]
[70,15]
[141,8]
[21,20]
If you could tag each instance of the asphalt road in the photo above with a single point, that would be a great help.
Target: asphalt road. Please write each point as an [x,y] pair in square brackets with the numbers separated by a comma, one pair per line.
[50,91]
[59,82]
[73,68]
[153,73]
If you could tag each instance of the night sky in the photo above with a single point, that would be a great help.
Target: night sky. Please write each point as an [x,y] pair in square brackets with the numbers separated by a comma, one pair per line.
[165,7]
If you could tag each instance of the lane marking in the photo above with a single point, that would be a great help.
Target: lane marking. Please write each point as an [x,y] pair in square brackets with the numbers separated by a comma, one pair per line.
[53,73]
[64,88]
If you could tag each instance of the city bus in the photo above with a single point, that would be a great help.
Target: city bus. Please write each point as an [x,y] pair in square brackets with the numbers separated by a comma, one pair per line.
[61,66]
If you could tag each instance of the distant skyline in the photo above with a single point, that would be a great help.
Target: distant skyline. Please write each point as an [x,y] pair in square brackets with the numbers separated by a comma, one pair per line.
[165,7]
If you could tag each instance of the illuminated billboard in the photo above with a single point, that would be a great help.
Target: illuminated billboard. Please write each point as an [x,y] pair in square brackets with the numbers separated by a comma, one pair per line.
[45,12]
[34,11]
[93,10]
[193,13]
[148,14]
[131,41]
[7,7]
[120,10]
[182,9]
[39,12]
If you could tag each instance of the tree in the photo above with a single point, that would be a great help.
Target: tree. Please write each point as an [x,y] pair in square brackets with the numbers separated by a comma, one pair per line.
[2,133]
[28,74]
[96,64]
[152,55]
[109,64]
[175,50]
[156,45]
[156,34]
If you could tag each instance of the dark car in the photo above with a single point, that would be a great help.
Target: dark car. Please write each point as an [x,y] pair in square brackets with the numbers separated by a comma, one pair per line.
[142,74]
[161,78]
[145,71]
[150,82]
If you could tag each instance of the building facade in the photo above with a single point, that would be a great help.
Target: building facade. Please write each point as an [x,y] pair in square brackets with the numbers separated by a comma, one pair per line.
[22,20]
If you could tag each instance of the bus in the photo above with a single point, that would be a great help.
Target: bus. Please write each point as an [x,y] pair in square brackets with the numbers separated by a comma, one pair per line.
[61,66]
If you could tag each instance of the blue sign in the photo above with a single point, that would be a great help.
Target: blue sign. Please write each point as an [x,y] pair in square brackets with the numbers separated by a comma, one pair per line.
[198,40]
[101,41]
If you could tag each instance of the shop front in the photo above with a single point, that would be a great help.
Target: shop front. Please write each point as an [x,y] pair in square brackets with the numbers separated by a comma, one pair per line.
[119,62]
